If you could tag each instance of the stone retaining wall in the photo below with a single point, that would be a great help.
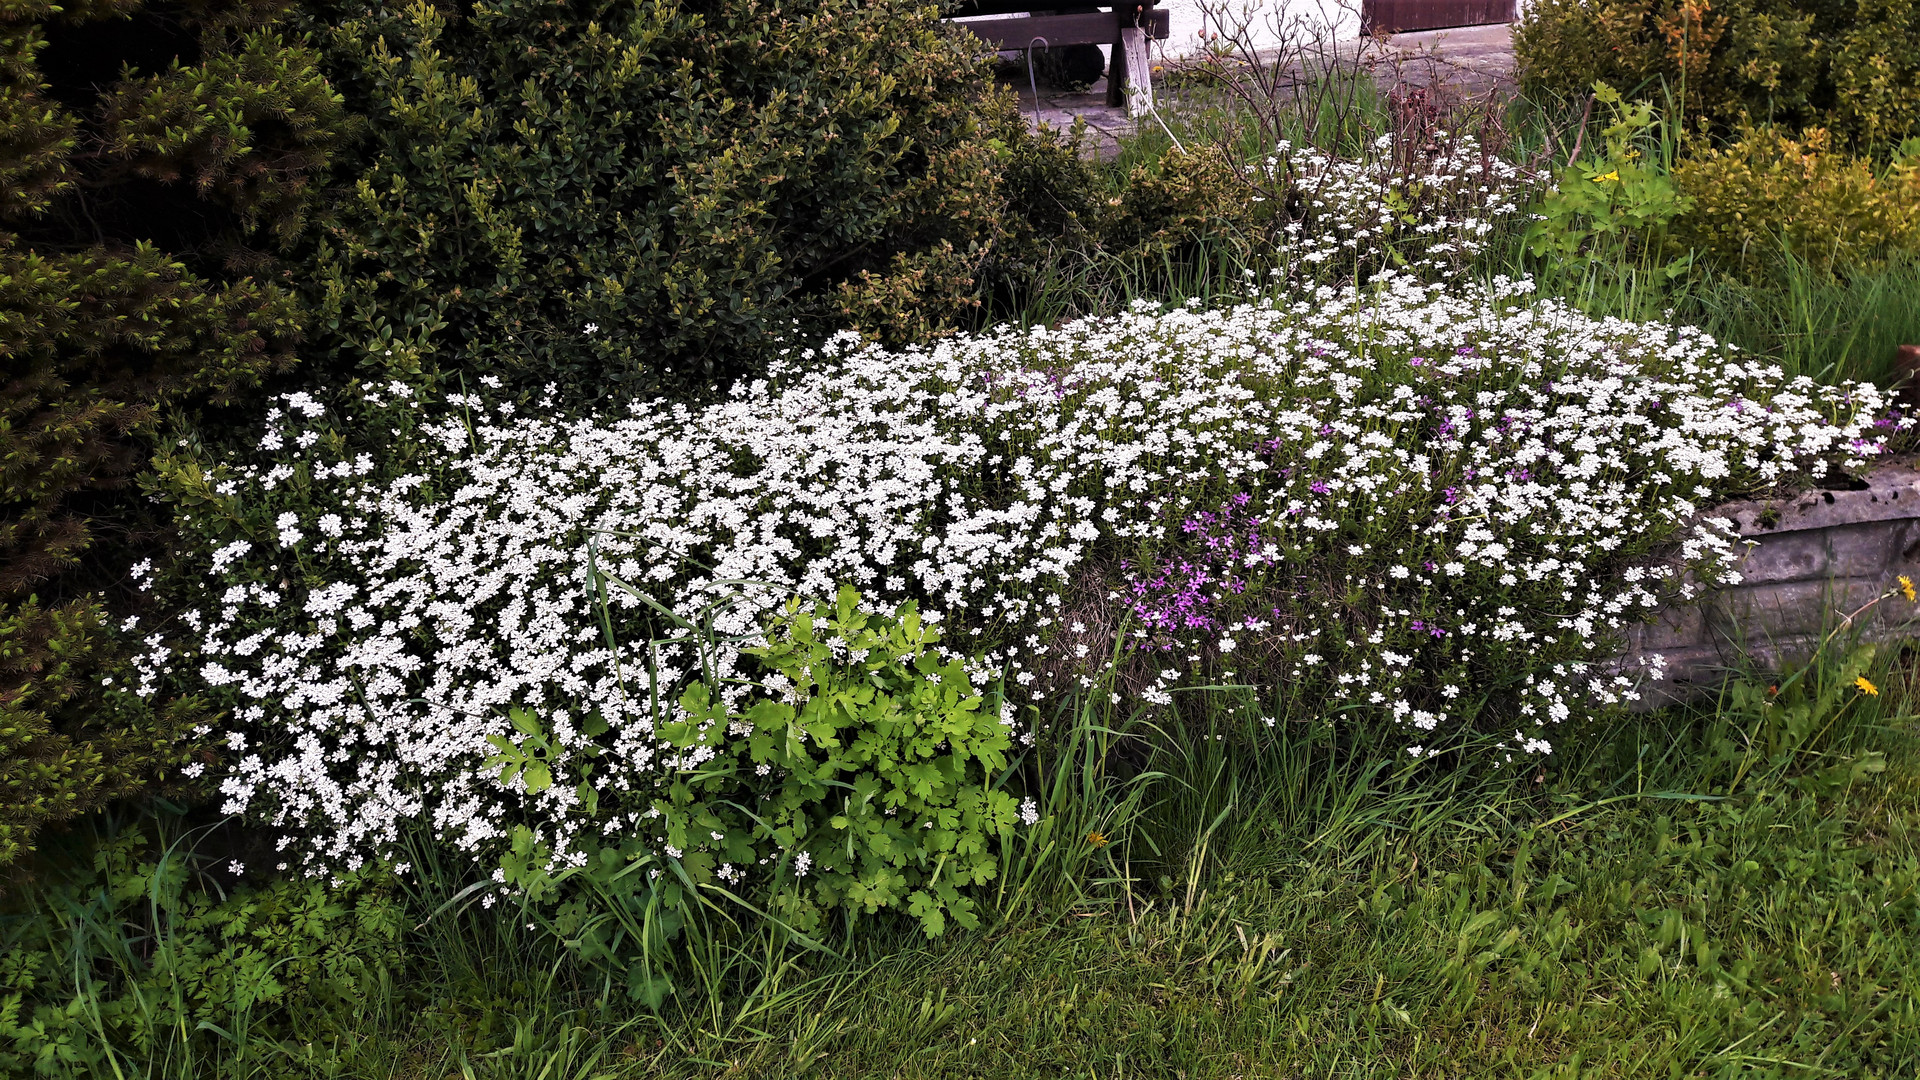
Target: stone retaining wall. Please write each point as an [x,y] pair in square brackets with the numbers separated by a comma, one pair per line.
[1811,560]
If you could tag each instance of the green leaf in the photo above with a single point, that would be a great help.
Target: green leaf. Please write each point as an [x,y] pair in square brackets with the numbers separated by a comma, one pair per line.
[537,777]
[525,721]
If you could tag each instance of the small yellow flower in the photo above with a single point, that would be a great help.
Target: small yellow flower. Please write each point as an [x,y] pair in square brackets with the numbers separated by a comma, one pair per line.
[1614,175]
[1097,839]
[1906,588]
[1866,687]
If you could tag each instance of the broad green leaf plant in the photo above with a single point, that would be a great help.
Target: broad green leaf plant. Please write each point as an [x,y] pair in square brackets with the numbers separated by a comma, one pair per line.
[872,760]
[869,778]
[1611,208]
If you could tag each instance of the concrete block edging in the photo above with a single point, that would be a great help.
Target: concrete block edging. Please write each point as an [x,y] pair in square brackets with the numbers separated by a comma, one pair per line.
[1811,559]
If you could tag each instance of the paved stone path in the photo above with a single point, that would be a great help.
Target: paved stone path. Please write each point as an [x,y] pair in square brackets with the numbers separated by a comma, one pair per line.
[1473,60]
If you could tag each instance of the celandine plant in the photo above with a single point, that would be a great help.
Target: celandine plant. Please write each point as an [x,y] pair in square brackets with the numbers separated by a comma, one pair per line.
[862,773]
[1420,507]
[869,763]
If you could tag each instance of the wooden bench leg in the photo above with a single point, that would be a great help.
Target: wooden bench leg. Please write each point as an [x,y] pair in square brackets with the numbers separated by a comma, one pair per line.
[1139,73]
[1117,76]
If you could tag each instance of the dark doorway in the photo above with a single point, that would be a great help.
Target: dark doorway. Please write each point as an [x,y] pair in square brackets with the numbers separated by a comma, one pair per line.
[1398,16]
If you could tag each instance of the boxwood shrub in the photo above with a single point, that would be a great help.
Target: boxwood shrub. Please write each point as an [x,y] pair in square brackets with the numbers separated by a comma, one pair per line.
[1848,65]
[622,198]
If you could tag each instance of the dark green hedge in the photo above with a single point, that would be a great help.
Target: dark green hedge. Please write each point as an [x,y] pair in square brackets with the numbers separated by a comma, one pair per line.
[154,156]
[626,198]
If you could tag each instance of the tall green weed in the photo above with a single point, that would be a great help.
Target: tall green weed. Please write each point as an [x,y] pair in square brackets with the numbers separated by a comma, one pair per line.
[144,957]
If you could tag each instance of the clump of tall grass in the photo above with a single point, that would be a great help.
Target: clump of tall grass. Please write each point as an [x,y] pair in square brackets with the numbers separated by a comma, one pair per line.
[1833,328]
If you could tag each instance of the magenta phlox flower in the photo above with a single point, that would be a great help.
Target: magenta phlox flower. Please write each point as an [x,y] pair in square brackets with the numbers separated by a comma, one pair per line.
[1183,593]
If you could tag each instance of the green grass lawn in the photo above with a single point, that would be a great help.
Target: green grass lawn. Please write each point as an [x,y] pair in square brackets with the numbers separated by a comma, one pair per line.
[1773,936]
[1549,925]
[1712,893]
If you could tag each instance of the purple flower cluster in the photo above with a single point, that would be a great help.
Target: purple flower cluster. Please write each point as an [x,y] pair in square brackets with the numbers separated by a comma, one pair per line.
[1185,592]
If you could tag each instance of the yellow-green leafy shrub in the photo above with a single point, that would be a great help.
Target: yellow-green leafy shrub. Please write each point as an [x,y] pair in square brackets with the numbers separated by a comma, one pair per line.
[1848,65]
[1768,189]
[1178,201]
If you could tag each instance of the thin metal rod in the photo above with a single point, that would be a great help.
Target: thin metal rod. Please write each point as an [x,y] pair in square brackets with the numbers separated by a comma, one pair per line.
[1031,83]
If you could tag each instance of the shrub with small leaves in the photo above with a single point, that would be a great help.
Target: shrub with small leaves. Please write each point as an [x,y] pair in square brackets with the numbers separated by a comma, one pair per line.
[1846,64]
[74,734]
[1769,189]
[627,199]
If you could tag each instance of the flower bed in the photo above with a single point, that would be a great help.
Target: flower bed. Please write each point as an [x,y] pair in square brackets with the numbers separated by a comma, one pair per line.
[1414,506]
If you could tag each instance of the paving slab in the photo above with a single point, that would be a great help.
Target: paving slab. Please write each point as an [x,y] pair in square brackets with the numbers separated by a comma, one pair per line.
[1472,60]
[1058,109]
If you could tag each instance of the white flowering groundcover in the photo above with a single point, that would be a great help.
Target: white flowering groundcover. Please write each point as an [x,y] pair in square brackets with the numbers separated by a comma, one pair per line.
[1420,507]
[1428,216]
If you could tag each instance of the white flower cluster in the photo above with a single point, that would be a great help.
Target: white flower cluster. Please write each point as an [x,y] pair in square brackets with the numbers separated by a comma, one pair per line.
[1390,500]
[1431,213]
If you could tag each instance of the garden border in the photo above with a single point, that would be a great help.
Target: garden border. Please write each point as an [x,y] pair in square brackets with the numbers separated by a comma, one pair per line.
[1813,560]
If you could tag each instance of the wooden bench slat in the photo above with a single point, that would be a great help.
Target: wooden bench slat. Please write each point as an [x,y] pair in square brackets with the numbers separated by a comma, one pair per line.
[971,8]
[1093,28]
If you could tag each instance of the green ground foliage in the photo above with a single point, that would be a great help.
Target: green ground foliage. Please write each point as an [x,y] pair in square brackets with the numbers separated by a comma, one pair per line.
[156,157]
[141,941]
[1727,890]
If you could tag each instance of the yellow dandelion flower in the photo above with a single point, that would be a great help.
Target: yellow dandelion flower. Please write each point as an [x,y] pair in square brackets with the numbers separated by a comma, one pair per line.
[1906,588]
[1866,687]
[1097,839]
